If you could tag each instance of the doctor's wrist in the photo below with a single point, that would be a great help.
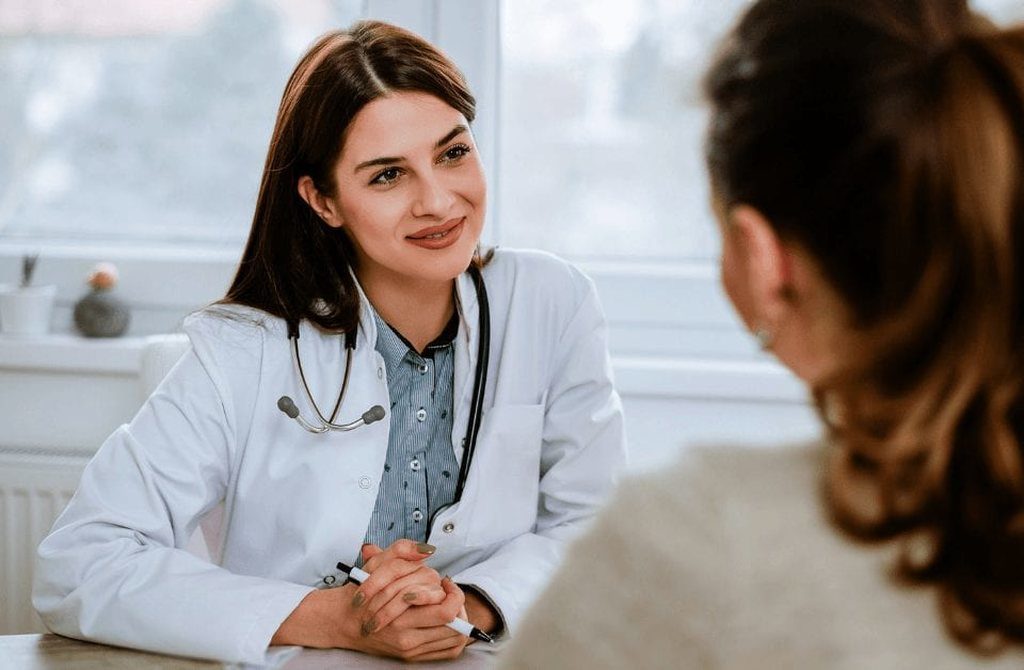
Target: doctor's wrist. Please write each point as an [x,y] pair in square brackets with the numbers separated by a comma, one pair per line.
[316,621]
[480,612]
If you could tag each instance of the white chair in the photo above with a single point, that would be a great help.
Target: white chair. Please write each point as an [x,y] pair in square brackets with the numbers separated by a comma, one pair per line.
[159,354]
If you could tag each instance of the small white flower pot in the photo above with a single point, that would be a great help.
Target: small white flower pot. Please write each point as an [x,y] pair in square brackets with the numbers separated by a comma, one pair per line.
[26,311]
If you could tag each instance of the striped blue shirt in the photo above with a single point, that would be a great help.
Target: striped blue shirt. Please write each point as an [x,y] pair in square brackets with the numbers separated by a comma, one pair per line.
[420,470]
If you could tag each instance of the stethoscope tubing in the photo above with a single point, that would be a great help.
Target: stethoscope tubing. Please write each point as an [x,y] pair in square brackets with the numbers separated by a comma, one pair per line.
[479,382]
[376,412]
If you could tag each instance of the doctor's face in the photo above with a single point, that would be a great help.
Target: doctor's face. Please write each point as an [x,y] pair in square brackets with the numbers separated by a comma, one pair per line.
[410,189]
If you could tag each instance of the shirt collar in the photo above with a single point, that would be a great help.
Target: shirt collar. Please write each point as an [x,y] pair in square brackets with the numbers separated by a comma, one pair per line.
[394,347]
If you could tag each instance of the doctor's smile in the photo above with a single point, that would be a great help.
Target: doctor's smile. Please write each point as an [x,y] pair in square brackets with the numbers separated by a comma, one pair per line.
[439,237]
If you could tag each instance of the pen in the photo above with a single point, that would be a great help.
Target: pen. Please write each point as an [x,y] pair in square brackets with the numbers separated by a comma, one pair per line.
[460,625]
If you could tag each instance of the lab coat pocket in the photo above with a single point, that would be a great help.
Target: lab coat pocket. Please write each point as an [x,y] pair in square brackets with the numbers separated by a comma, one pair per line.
[505,474]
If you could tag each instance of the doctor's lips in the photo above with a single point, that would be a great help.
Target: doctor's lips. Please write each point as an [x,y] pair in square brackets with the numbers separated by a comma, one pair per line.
[439,237]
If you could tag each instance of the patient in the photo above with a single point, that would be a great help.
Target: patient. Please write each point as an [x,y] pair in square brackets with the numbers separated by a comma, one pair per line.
[867,161]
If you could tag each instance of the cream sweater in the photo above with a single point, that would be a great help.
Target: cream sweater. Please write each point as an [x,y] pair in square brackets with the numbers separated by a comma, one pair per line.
[727,561]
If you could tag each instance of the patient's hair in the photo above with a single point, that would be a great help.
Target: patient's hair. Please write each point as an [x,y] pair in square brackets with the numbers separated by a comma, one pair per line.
[294,265]
[886,138]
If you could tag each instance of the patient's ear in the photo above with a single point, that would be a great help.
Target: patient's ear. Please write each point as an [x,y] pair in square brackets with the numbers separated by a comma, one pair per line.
[768,265]
[320,204]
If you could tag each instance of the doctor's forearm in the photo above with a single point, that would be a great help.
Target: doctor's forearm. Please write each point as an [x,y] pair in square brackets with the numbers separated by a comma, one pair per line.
[314,623]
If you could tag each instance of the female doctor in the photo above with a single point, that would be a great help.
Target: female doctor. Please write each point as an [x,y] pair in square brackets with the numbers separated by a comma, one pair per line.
[483,428]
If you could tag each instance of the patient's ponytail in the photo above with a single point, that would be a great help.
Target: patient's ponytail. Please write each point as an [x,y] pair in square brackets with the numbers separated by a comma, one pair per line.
[886,138]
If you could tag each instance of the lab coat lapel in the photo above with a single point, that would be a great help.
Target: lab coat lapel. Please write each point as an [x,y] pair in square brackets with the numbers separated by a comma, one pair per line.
[465,357]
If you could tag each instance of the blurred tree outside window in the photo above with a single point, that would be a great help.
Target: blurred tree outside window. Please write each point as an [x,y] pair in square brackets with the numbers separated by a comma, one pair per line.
[602,121]
[128,121]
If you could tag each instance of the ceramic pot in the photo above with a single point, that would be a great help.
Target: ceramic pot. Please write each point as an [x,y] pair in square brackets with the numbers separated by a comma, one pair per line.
[100,313]
[25,311]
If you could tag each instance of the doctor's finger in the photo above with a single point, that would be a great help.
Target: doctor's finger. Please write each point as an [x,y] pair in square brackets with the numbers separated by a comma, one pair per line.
[381,577]
[408,550]
[433,595]
[436,615]
[368,551]
[412,595]
[423,577]
[450,646]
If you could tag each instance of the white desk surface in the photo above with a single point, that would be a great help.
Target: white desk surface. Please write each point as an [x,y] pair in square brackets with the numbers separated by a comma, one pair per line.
[52,652]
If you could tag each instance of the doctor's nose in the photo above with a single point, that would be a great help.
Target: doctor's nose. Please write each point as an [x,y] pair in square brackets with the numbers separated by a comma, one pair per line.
[433,198]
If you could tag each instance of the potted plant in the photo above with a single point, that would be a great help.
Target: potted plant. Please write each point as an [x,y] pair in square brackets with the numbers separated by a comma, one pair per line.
[26,309]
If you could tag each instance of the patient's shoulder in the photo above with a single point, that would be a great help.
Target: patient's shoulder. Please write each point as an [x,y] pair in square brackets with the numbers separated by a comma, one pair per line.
[707,476]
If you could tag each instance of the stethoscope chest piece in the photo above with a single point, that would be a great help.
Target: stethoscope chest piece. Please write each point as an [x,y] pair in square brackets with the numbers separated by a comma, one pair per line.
[322,425]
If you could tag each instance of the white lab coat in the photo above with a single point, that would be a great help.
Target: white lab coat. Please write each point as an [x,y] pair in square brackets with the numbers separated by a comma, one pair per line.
[114,568]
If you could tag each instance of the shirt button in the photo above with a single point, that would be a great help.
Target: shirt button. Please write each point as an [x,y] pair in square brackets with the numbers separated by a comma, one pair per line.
[417,515]
[415,464]
[423,368]
[421,414]
[364,482]
[448,527]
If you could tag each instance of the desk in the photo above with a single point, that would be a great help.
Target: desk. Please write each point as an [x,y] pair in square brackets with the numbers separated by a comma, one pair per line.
[52,652]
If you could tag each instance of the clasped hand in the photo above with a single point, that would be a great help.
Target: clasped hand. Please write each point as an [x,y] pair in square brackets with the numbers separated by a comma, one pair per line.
[402,608]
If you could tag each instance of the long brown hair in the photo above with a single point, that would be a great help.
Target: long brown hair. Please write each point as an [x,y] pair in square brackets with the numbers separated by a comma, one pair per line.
[295,266]
[886,138]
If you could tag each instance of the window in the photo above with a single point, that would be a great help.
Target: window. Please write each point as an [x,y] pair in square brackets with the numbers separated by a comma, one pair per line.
[125,121]
[136,132]
[602,125]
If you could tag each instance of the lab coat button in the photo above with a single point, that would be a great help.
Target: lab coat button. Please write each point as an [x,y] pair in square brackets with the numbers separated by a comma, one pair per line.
[417,515]
[415,464]
[380,373]
[364,482]
[421,415]
[448,527]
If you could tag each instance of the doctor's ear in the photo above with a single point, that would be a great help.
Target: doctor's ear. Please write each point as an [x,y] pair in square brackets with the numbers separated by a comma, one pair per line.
[321,205]
[768,263]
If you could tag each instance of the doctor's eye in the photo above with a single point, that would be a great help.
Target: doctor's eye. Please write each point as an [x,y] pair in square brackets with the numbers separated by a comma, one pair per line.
[386,177]
[455,153]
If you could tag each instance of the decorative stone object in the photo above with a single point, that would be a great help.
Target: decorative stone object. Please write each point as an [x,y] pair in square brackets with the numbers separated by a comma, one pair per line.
[101,313]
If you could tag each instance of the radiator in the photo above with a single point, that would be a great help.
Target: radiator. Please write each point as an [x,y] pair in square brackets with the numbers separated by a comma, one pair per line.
[34,487]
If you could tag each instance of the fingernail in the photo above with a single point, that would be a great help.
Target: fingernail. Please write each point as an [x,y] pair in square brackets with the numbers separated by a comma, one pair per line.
[358,599]
[368,627]
[409,597]
[425,548]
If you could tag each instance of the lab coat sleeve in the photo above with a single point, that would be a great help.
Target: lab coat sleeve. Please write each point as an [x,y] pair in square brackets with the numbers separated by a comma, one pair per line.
[113,568]
[582,454]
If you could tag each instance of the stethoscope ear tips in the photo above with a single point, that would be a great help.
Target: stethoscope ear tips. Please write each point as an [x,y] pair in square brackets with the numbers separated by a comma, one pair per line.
[285,404]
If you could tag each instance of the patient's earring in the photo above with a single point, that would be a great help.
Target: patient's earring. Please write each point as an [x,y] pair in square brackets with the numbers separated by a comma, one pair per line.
[765,338]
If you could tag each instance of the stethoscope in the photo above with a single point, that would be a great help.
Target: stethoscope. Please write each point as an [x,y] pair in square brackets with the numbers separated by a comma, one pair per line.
[376,413]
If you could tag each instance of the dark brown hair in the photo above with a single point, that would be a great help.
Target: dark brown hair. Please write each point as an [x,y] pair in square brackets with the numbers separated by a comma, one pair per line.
[886,138]
[294,265]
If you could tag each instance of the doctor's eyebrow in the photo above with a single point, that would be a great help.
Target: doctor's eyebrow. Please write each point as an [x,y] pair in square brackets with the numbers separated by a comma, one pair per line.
[388,160]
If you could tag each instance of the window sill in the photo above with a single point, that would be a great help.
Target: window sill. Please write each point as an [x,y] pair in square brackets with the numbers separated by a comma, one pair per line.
[71,353]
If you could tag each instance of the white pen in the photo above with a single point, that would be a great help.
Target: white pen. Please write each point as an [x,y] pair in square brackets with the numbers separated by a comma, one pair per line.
[460,625]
